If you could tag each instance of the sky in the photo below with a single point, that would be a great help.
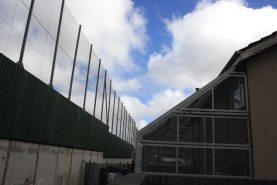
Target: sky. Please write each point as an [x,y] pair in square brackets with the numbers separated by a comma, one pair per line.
[158,51]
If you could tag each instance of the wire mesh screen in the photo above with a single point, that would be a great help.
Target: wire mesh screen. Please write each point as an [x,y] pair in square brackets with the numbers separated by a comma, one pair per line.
[106,94]
[13,14]
[90,97]
[111,111]
[41,39]
[66,52]
[93,71]
[58,53]
[80,75]
[114,122]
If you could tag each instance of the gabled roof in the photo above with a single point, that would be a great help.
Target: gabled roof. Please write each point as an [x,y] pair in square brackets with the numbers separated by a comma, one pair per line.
[187,101]
[250,50]
[237,57]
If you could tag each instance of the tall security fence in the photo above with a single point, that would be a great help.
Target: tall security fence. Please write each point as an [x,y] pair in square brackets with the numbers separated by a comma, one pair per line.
[30,111]
[44,38]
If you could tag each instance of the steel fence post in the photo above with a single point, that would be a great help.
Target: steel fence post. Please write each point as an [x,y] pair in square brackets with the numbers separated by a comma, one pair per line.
[86,88]
[23,46]
[56,44]
[95,98]
[74,62]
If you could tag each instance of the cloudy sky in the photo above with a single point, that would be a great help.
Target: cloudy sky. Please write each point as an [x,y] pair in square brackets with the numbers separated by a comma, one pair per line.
[158,51]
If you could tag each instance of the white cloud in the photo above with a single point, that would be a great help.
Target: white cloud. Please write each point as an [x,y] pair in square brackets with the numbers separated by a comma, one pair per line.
[115,27]
[141,124]
[204,40]
[127,86]
[159,104]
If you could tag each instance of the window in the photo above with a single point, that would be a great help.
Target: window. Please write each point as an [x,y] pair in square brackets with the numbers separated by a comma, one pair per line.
[159,159]
[165,131]
[195,129]
[230,94]
[232,162]
[231,131]
[203,102]
[195,161]
[237,96]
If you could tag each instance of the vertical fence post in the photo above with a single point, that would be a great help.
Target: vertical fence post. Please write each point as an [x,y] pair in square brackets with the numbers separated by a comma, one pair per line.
[126,120]
[56,44]
[106,100]
[125,128]
[74,62]
[125,131]
[123,122]
[23,46]
[104,94]
[133,131]
[97,81]
[86,88]
[113,109]
[120,128]
[108,116]
[117,115]
[129,128]
[124,125]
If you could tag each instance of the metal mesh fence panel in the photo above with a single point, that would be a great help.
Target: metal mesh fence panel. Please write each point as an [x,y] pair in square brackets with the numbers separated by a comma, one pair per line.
[80,75]
[78,87]
[13,17]
[46,117]
[98,105]
[90,98]
[39,52]
[93,68]
[62,73]
[66,51]
[101,80]
[111,111]
[40,55]
[114,124]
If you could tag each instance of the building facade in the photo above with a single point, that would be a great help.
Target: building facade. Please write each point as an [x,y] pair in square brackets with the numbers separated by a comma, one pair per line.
[226,128]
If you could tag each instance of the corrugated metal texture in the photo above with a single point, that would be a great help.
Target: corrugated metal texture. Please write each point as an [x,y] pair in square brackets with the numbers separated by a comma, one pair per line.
[32,111]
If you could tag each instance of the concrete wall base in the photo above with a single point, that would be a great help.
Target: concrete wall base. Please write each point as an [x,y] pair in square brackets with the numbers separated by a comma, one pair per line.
[45,165]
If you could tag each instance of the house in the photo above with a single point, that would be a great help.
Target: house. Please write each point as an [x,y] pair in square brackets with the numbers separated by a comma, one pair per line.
[227,128]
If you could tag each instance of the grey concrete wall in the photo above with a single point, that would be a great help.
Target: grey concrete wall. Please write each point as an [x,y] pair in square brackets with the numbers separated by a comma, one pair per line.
[3,154]
[21,163]
[77,167]
[45,165]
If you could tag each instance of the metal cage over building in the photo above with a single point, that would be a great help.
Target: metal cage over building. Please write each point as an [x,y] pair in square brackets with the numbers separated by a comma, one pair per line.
[209,133]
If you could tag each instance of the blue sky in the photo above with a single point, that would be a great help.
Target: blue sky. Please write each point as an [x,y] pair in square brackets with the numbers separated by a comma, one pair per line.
[157,11]
[159,51]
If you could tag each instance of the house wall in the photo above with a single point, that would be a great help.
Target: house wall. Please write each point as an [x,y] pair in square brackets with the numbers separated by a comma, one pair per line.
[262,82]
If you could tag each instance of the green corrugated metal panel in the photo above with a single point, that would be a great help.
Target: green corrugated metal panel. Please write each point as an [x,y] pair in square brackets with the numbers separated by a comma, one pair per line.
[32,111]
